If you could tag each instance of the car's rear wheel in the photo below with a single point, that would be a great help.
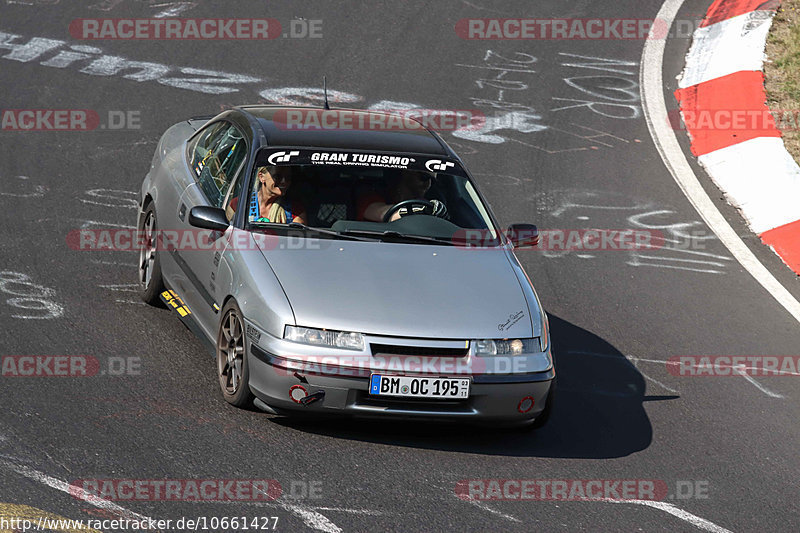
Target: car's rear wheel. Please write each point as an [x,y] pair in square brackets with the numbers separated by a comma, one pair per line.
[232,368]
[151,284]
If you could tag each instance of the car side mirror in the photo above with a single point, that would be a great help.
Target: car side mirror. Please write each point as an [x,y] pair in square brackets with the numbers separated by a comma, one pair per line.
[523,235]
[206,217]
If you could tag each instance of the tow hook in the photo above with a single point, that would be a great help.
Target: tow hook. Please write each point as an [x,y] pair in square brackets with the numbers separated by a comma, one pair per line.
[311,398]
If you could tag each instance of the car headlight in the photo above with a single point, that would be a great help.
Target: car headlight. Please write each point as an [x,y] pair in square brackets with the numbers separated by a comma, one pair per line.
[324,337]
[507,346]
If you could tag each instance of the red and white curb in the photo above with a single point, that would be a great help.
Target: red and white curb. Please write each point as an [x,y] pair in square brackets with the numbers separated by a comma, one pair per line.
[723,77]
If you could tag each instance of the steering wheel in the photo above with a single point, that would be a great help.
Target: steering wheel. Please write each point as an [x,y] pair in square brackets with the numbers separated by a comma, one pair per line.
[429,207]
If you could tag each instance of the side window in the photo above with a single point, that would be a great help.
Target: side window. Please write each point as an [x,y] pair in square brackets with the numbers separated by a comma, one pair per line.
[217,158]
[232,203]
[200,149]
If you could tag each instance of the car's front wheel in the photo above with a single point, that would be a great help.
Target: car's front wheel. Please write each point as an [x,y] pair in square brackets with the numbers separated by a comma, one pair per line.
[232,368]
[151,285]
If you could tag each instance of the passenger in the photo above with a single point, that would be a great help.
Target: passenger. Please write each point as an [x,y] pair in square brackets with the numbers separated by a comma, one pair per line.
[269,202]
[407,185]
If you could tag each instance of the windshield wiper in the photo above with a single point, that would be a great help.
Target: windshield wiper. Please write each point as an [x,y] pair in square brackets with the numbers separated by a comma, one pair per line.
[321,231]
[396,235]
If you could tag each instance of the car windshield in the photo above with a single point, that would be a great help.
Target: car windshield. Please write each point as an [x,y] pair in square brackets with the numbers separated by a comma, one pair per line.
[397,197]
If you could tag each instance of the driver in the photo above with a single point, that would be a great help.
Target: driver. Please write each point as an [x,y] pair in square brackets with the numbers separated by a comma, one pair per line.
[408,185]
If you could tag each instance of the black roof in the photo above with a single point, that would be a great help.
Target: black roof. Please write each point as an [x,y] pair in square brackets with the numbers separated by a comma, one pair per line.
[272,120]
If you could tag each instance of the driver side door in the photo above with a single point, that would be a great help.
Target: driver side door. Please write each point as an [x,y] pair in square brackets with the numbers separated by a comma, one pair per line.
[216,163]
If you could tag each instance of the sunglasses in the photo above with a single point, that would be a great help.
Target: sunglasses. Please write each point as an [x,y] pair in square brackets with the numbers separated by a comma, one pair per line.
[278,175]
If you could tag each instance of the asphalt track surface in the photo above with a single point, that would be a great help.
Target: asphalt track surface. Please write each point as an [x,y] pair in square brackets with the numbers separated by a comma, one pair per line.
[615,315]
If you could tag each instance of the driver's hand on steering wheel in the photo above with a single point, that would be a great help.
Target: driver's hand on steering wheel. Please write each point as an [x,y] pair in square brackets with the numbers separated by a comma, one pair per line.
[439,209]
[395,216]
[415,206]
[403,212]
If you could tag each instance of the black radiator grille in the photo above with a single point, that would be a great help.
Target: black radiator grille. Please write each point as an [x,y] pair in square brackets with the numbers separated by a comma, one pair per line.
[423,351]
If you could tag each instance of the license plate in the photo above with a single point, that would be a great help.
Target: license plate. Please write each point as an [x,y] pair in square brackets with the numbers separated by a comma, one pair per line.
[419,387]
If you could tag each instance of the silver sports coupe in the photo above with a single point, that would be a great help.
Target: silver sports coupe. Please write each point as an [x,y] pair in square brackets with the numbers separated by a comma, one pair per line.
[345,265]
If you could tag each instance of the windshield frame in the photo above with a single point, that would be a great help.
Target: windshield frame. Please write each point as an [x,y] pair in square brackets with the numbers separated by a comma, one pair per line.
[454,166]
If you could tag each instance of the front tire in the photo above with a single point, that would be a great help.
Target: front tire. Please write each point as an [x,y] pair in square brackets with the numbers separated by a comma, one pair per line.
[232,368]
[151,284]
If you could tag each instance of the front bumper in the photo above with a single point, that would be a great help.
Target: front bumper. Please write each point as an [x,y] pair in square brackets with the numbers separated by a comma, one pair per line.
[494,398]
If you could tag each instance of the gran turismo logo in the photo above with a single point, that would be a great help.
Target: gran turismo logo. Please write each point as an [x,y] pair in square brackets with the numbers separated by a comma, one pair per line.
[435,165]
[281,157]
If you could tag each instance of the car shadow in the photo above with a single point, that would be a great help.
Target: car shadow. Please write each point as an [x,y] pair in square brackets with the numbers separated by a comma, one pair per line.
[598,411]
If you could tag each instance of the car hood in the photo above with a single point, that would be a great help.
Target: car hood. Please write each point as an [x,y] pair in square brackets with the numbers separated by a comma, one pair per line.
[405,290]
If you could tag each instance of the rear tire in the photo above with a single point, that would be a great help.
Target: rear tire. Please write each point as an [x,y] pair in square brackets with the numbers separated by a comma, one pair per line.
[151,284]
[233,371]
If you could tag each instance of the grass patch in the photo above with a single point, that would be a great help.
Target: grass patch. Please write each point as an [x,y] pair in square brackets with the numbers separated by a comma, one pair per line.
[782,69]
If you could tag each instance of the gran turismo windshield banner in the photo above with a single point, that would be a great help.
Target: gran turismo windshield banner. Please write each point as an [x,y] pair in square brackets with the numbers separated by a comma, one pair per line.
[347,158]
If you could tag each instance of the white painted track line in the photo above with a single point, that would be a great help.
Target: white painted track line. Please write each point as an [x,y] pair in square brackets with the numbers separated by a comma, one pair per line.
[63,486]
[696,521]
[310,517]
[655,112]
